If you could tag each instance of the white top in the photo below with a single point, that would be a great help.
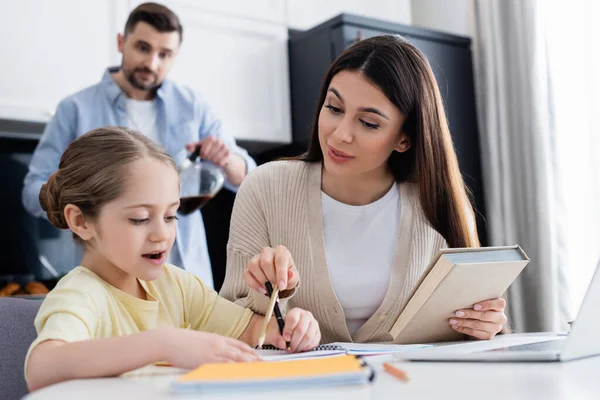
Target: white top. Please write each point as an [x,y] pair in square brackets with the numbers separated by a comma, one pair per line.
[359,245]
[141,116]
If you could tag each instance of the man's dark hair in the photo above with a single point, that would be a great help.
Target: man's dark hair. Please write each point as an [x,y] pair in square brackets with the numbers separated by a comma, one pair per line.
[157,15]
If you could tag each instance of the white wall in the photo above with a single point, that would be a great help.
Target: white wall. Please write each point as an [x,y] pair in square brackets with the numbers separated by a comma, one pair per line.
[450,16]
[304,14]
[234,53]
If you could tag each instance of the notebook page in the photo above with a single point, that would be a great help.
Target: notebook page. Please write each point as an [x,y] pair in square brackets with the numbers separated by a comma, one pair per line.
[366,349]
[268,353]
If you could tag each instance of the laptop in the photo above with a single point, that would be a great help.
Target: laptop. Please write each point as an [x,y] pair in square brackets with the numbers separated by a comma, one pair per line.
[582,341]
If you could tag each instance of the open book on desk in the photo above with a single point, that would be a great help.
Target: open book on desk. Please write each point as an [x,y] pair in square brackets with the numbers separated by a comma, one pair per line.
[373,349]
[270,353]
[456,279]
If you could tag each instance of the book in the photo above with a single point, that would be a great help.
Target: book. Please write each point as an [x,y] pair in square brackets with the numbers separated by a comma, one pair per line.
[371,349]
[272,353]
[318,372]
[456,279]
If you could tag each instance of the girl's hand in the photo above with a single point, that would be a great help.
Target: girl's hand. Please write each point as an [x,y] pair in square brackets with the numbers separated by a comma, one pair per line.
[301,330]
[188,349]
[483,321]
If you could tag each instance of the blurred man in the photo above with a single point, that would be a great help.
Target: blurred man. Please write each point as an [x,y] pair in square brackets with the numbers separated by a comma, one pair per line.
[138,95]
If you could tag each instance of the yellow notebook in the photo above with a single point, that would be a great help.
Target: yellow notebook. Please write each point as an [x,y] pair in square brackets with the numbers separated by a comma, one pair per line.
[332,371]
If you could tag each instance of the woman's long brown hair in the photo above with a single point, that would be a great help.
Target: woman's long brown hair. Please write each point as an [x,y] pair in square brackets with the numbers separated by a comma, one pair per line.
[403,73]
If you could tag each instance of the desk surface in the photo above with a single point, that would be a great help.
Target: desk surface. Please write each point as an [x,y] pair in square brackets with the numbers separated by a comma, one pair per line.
[578,379]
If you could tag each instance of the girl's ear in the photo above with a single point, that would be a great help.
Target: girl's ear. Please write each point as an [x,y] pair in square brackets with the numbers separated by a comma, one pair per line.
[77,223]
[403,143]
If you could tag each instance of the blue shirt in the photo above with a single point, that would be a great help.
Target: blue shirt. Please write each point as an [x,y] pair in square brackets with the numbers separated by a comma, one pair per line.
[182,117]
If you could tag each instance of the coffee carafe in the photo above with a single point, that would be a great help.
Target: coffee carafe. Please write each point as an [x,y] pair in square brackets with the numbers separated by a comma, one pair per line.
[200,181]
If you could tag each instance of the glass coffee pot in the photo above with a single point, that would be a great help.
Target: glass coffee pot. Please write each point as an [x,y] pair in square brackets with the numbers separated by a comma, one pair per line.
[200,181]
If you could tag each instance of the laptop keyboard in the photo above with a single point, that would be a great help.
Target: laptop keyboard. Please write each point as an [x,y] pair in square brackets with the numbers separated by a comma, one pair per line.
[550,345]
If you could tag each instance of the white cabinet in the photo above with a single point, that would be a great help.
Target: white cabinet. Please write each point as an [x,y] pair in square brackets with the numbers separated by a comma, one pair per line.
[50,49]
[272,11]
[240,66]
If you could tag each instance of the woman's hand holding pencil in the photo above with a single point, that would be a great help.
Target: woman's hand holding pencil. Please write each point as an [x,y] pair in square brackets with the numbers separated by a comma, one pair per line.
[270,272]
[274,265]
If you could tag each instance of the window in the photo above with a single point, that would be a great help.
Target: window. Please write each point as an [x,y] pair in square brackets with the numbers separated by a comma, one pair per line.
[573,46]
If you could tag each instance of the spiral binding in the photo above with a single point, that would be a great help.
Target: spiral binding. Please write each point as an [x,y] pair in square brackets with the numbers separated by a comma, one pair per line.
[318,348]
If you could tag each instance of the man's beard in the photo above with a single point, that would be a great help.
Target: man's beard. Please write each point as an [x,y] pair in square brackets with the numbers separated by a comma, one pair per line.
[130,75]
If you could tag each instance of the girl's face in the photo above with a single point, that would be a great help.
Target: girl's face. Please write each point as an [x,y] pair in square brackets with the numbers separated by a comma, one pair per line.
[136,231]
[359,127]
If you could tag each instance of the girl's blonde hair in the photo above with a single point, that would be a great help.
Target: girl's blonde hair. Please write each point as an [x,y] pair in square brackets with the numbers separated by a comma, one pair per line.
[92,171]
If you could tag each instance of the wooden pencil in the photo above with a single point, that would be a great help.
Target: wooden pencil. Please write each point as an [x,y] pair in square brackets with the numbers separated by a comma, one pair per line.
[397,372]
[268,315]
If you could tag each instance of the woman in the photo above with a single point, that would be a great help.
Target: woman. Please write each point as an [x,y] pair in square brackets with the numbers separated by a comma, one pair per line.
[362,213]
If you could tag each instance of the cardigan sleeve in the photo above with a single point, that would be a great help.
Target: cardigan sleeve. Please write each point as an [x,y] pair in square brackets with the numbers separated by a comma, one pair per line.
[248,235]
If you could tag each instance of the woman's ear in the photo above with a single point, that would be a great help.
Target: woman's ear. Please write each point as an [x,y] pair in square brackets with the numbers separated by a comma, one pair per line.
[77,223]
[403,143]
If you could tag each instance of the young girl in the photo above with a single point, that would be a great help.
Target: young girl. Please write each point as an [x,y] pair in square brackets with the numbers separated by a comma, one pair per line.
[124,308]
[362,213]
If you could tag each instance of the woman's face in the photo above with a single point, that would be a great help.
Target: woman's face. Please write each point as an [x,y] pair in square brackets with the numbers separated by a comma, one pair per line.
[359,127]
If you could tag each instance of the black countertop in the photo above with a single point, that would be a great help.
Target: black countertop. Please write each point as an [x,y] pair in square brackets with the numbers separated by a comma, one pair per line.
[18,136]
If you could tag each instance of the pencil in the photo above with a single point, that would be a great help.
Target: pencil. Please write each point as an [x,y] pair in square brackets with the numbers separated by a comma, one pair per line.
[263,331]
[397,372]
[277,312]
[162,364]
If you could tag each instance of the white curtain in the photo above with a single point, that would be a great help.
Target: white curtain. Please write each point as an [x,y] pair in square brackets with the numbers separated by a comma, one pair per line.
[573,42]
[537,92]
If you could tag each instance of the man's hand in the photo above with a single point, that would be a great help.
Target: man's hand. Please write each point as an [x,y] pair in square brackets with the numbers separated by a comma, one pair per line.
[211,149]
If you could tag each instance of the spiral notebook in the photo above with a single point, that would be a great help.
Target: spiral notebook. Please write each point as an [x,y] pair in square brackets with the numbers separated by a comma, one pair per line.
[307,373]
[272,353]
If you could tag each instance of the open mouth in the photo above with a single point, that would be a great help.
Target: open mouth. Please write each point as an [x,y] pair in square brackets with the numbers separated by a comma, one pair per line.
[154,256]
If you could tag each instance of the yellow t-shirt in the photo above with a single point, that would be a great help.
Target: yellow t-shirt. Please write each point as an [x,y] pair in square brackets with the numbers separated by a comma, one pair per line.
[82,306]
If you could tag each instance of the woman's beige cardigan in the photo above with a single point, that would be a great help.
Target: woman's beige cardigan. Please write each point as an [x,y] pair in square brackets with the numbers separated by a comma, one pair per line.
[279,203]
